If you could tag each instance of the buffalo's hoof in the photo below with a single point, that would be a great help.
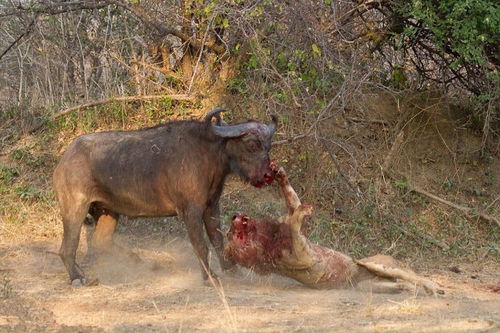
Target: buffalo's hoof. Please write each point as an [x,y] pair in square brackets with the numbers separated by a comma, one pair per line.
[226,265]
[232,271]
[212,281]
[79,282]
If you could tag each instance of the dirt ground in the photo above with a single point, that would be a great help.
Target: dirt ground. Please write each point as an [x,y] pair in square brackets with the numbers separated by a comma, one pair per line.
[165,293]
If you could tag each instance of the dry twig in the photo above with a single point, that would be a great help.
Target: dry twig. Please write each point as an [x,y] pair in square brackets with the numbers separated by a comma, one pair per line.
[466,210]
[370,121]
[179,97]
[291,139]
[394,150]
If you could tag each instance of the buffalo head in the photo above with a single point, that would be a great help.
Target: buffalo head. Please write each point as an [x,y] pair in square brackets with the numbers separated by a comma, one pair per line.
[247,146]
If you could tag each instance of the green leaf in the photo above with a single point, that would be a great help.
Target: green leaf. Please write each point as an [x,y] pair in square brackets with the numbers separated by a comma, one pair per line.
[316,50]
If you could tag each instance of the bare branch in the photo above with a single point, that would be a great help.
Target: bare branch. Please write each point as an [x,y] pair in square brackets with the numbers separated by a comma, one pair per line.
[136,10]
[468,211]
[163,30]
[394,150]
[26,32]
[180,97]
[55,8]
[292,139]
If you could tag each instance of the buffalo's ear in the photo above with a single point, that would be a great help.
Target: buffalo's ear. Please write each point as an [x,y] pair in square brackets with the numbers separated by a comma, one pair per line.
[274,124]
[214,113]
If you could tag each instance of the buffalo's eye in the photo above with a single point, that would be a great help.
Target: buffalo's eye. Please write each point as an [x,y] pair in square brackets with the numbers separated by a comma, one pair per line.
[254,145]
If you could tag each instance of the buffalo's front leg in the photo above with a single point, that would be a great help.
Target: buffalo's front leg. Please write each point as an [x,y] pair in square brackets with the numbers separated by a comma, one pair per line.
[212,225]
[193,219]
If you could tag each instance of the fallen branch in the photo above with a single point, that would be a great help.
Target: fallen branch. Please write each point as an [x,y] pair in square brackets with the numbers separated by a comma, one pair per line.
[394,150]
[293,138]
[469,212]
[179,97]
[370,121]
[466,210]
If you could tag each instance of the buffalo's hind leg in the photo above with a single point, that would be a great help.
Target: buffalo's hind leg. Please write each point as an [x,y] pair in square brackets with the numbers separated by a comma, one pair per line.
[72,223]
[102,239]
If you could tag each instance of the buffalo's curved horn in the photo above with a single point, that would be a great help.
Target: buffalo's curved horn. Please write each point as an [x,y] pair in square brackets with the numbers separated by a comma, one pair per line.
[233,131]
[213,113]
[274,124]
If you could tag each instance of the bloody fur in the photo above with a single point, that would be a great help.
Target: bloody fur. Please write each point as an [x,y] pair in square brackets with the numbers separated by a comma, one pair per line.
[279,246]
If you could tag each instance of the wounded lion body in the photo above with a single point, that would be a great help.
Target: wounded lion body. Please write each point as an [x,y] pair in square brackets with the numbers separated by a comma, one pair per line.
[279,246]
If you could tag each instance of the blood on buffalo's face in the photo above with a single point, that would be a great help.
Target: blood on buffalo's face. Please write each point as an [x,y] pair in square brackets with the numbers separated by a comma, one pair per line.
[249,157]
[249,153]
[247,147]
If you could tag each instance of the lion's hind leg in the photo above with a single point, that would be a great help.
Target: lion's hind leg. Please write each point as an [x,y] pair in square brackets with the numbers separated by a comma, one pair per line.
[385,286]
[385,266]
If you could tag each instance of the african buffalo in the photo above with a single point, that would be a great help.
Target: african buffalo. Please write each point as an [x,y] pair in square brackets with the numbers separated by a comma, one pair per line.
[177,168]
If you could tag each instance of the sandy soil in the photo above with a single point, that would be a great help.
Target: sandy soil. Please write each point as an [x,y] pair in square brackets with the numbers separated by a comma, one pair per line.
[166,294]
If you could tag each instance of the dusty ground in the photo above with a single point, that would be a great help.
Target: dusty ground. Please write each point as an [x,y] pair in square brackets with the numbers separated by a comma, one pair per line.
[166,294]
